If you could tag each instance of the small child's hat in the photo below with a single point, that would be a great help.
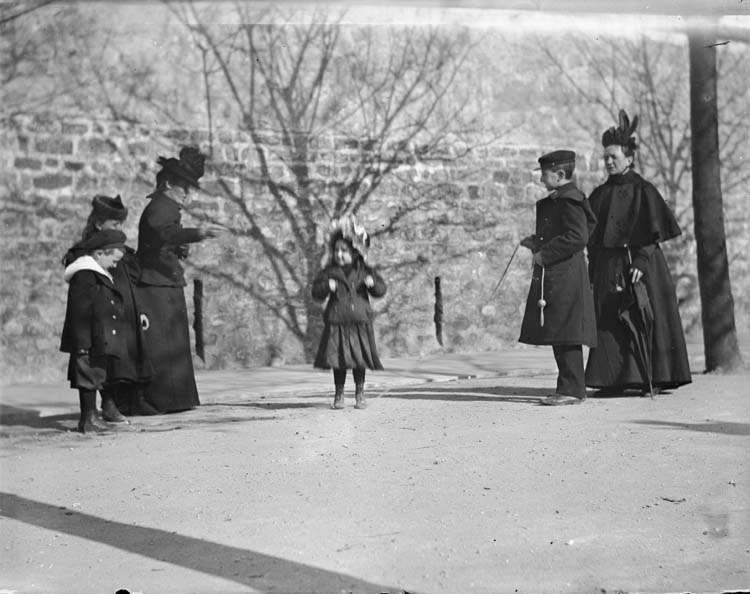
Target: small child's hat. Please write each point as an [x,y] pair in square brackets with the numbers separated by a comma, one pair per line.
[104,240]
[556,159]
[350,229]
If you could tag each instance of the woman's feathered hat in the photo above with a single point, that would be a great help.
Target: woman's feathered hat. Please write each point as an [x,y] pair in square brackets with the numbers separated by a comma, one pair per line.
[110,209]
[349,228]
[190,166]
[622,134]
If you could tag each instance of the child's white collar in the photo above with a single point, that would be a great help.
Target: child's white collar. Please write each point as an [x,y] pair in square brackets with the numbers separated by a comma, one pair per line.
[85,263]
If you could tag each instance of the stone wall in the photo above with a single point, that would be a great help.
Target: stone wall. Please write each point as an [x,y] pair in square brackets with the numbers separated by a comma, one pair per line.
[53,166]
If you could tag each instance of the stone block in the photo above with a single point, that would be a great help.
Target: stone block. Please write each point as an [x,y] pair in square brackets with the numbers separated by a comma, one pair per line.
[75,128]
[45,123]
[53,181]
[27,163]
[96,145]
[54,145]
[180,136]
[74,165]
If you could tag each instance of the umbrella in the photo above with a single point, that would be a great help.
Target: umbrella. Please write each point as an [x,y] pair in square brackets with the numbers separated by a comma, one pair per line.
[637,315]
[438,318]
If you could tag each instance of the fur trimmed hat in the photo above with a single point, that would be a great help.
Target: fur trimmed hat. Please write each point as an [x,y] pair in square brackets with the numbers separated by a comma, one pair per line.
[110,209]
[189,167]
[622,134]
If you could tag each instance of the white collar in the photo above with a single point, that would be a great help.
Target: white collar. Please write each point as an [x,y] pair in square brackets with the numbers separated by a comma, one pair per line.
[85,263]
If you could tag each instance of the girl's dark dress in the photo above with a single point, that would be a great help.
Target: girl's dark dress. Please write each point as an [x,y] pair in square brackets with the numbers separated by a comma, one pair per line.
[348,340]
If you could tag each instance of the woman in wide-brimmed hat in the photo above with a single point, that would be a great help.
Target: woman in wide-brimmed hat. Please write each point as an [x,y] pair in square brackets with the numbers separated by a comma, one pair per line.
[162,243]
[624,251]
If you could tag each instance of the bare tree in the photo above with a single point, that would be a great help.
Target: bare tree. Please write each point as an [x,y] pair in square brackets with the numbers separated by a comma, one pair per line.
[332,115]
[719,330]
[37,54]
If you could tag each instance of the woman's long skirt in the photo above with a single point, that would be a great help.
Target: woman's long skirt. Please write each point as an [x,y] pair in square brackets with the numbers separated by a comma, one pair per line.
[348,346]
[167,347]
[614,362]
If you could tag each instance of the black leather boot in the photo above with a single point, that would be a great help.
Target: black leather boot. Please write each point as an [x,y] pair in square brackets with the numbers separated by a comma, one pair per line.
[338,398]
[359,395]
[110,412]
[90,421]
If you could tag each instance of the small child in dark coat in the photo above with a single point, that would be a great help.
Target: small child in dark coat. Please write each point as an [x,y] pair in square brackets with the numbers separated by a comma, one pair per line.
[348,340]
[92,332]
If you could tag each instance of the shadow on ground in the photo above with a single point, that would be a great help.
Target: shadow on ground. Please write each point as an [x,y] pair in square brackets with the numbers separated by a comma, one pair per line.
[456,394]
[276,405]
[28,417]
[722,427]
[261,572]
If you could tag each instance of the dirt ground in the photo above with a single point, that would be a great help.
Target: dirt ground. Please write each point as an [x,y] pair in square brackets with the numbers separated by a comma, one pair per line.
[463,486]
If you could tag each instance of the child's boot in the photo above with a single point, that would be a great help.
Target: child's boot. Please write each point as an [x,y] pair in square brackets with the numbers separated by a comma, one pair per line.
[338,398]
[89,421]
[359,395]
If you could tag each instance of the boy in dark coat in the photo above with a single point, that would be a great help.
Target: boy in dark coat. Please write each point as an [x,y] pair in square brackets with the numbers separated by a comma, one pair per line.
[560,306]
[92,332]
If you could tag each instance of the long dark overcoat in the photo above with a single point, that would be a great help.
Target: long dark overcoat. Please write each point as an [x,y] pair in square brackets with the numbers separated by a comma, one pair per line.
[633,217]
[162,241]
[348,339]
[564,220]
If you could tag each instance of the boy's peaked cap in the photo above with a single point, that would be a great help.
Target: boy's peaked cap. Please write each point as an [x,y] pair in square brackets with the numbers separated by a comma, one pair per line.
[557,158]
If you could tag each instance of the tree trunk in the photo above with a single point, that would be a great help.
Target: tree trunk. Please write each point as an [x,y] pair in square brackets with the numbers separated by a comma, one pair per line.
[717,306]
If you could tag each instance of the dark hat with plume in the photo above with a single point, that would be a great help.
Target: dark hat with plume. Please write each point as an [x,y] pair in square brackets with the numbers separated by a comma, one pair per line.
[103,240]
[623,133]
[189,167]
[110,209]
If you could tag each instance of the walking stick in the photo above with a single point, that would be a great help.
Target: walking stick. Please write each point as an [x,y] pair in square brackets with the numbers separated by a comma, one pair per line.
[502,277]
[198,317]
